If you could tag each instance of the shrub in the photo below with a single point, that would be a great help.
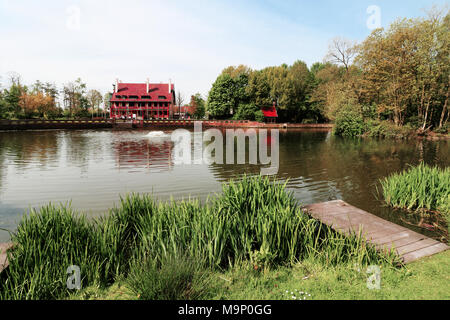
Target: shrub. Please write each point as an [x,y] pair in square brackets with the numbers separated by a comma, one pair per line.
[246,112]
[259,116]
[387,129]
[349,122]
[443,130]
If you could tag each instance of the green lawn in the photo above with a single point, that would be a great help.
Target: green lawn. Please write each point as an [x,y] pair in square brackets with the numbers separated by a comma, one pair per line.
[428,278]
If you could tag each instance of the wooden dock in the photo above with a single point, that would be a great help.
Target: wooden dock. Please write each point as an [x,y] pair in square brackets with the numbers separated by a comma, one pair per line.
[381,233]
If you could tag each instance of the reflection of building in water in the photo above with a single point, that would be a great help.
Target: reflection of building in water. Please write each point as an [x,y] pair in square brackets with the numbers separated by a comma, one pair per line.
[143,154]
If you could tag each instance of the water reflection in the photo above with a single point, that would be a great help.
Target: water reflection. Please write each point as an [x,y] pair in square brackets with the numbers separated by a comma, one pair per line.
[93,167]
[144,154]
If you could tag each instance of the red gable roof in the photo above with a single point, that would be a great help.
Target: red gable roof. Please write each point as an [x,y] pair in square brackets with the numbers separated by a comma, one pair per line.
[270,112]
[140,89]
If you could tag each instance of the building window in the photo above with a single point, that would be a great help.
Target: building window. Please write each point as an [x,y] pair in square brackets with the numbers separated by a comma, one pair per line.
[134,97]
[162,97]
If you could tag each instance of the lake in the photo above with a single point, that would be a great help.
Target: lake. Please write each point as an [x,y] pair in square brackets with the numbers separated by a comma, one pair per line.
[92,168]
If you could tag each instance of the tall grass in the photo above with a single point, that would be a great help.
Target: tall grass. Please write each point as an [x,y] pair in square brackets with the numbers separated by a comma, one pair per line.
[254,219]
[419,188]
[173,277]
[48,242]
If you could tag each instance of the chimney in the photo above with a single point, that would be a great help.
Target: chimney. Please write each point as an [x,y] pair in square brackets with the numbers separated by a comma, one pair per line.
[117,85]
[148,85]
[170,85]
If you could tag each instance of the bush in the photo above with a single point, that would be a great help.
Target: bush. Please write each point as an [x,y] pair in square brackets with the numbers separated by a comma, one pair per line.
[259,116]
[387,129]
[246,112]
[444,130]
[349,122]
[309,121]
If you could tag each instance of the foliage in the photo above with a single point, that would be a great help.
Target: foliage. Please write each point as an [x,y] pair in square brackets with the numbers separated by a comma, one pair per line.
[228,91]
[349,122]
[74,97]
[198,106]
[94,99]
[400,74]
[387,129]
[246,112]
[406,69]
[221,97]
[419,188]
[259,116]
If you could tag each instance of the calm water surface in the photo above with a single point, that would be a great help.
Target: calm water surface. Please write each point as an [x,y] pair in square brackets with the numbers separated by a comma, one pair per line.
[92,168]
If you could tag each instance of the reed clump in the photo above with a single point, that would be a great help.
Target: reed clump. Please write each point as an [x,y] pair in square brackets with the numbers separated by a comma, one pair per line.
[420,188]
[253,220]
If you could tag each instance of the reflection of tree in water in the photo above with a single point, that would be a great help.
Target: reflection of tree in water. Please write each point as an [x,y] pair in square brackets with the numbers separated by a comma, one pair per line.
[291,148]
[28,148]
[81,147]
[2,162]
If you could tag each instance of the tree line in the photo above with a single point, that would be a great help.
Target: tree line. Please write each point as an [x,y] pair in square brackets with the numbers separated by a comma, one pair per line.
[398,74]
[43,100]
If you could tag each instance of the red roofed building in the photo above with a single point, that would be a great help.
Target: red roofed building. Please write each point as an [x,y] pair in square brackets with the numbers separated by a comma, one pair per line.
[142,100]
[270,113]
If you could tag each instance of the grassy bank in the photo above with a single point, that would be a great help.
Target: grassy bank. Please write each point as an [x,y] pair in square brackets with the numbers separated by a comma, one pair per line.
[423,190]
[253,222]
[426,279]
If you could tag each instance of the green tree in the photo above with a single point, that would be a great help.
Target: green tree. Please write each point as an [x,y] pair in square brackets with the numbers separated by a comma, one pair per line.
[198,105]
[228,91]
[246,111]
[221,98]
[74,98]
[258,89]
[12,99]
[94,99]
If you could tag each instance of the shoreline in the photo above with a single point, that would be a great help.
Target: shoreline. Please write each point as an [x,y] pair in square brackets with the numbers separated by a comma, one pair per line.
[23,125]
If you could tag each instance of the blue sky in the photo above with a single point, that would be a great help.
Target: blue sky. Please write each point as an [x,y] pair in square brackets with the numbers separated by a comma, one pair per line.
[187,41]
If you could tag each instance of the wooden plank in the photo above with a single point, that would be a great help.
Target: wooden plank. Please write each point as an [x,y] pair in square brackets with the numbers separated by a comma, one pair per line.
[425,252]
[415,246]
[399,237]
[400,242]
[381,233]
